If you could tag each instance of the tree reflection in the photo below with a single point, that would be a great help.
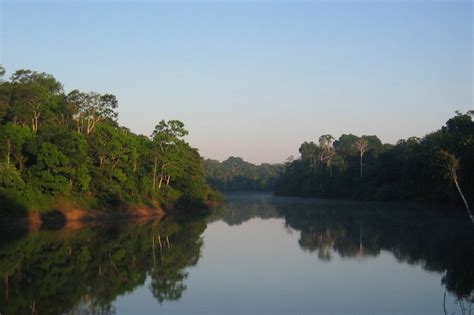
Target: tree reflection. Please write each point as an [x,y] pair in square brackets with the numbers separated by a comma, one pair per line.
[243,207]
[179,251]
[83,271]
[354,230]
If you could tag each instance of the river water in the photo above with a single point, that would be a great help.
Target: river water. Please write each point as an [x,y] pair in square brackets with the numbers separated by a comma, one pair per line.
[256,254]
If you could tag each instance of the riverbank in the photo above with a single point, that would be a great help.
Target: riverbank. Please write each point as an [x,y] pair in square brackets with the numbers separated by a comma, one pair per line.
[60,212]
[35,220]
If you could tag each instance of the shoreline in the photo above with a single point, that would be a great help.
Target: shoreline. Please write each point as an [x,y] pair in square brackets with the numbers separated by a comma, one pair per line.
[36,220]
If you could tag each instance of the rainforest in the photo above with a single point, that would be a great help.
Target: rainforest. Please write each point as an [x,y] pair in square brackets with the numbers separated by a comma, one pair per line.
[236,157]
[62,150]
[66,150]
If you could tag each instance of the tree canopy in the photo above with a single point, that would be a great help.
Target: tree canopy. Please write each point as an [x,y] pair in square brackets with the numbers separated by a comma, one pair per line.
[361,167]
[71,147]
[235,174]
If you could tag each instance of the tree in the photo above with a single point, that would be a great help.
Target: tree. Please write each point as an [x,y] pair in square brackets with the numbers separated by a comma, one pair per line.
[451,166]
[12,140]
[51,171]
[10,179]
[5,95]
[361,145]
[109,150]
[34,95]
[346,144]
[309,153]
[72,145]
[327,150]
[91,108]
[166,136]
[77,102]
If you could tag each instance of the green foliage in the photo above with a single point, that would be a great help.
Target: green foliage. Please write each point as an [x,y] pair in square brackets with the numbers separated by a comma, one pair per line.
[413,169]
[12,141]
[50,174]
[56,145]
[235,174]
[10,179]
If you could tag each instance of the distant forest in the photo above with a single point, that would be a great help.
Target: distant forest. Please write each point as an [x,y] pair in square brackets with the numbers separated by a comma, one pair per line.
[235,174]
[61,148]
[438,167]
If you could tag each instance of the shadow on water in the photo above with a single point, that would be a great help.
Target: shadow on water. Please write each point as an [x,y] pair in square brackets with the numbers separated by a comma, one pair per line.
[52,220]
[10,207]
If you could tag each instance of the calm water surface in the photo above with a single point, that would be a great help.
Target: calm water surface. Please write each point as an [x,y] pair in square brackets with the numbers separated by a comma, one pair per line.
[257,254]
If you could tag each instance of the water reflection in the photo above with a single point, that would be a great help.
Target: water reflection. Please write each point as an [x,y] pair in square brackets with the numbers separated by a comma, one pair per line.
[438,241]
[83,271]
[80,270]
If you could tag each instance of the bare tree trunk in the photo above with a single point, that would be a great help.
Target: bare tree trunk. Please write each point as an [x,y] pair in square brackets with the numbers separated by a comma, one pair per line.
[361,157]
[168,180]
[9,150]
[101,161]
[89,123]
[161,181]
[455,178]
[155,166]
[159,242]
[36,116]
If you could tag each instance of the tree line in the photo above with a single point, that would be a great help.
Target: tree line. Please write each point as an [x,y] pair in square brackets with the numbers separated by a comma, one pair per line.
[438,167]
[69,146]
[235,174]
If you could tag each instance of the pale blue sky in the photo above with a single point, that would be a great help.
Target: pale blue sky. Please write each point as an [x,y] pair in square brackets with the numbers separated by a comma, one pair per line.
[256,78]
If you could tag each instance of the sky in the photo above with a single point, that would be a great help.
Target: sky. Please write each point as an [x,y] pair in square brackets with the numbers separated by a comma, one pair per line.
[255,78]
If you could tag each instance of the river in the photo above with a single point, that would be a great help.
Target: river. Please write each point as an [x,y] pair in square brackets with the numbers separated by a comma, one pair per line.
[256,254]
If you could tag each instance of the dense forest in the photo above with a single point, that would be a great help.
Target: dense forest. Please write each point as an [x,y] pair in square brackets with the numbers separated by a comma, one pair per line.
[235,174]
[438,167]
[68,147]
[58,147]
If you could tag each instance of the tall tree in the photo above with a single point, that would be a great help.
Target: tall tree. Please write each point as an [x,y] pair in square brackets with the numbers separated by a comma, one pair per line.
[166,136]
[451,166]
[327,150]
[361,145]
[92,108]
[34,96]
